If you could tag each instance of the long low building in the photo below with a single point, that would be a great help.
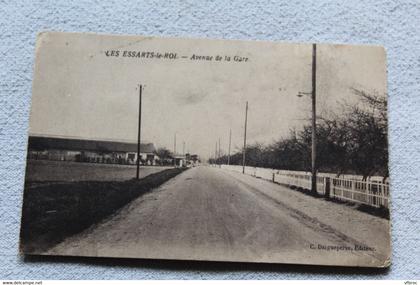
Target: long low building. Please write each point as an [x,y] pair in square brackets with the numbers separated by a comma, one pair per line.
[95,151]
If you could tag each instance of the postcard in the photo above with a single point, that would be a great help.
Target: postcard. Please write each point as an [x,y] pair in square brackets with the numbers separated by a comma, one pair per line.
[210,150]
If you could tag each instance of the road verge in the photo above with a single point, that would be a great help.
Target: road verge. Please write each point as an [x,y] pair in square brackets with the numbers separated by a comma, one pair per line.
[55,211]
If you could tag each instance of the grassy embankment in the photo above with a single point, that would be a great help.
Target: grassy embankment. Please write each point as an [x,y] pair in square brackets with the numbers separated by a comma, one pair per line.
[55,211]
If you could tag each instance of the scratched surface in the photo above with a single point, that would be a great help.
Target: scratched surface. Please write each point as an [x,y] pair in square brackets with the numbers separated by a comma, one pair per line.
[393,24]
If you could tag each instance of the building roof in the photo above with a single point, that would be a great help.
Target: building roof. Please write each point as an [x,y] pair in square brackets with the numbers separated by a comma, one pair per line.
[47,143]
[179,156]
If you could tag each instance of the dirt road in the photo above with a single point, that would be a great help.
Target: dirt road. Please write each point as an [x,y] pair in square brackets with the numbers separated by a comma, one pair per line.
[213,214]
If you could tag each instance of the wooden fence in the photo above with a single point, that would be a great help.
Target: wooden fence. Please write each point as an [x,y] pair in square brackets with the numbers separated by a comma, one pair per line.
[373,191]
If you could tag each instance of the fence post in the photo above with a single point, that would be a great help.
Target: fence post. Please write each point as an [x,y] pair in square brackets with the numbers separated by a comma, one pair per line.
[327,187]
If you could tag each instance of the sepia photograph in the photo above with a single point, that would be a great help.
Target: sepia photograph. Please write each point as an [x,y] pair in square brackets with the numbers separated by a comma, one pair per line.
[208,150]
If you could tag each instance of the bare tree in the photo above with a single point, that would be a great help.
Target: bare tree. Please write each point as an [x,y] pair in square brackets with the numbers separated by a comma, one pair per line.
[354,142]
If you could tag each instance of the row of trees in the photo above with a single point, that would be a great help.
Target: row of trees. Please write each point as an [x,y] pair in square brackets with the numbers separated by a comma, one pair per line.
[353,143]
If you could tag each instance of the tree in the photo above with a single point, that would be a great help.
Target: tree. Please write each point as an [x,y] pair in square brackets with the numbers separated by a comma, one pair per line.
[368,141]
[353,142]
[164,154]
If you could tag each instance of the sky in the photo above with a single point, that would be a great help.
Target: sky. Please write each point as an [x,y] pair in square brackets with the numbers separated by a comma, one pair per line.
[80,92]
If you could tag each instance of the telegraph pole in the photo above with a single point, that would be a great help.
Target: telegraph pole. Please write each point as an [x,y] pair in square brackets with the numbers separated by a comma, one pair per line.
[220,163]
[230,141]
[183,148]
[313,153]
[244,149]
[175,149]
[215,155]
[139,135]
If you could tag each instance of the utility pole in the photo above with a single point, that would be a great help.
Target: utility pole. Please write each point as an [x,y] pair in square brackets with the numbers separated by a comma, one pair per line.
[313,153]
[230,141]
[183,148]
[244,149]
[215,155]
[220,163]
[139,135]
[175,149]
